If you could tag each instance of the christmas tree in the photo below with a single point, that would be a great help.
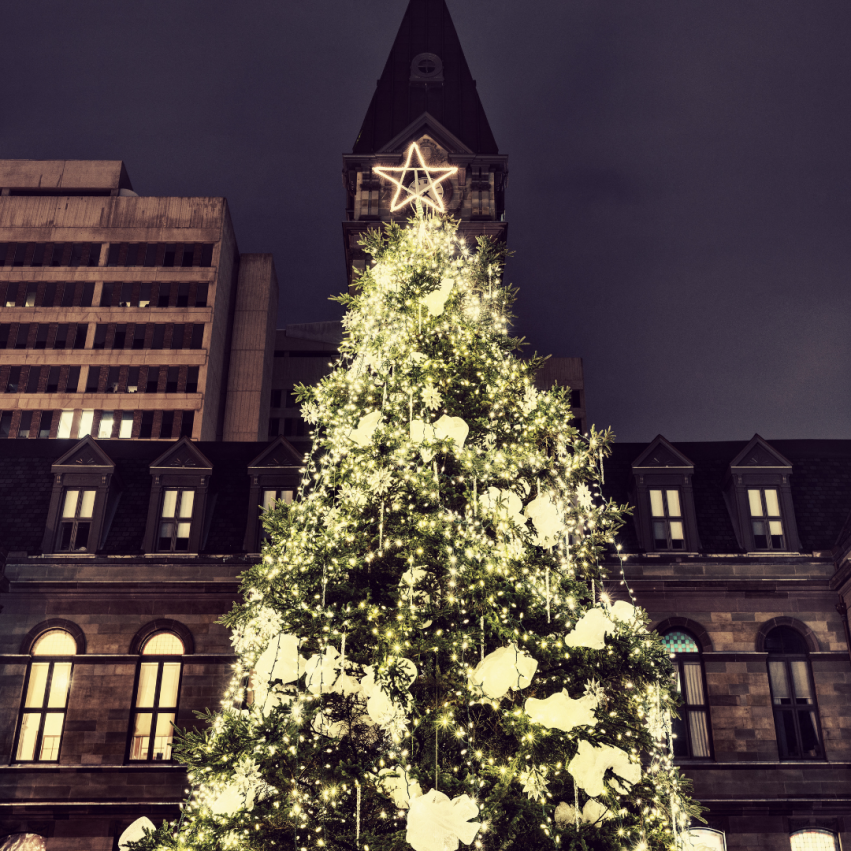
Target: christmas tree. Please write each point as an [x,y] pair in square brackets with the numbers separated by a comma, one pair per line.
[428,654]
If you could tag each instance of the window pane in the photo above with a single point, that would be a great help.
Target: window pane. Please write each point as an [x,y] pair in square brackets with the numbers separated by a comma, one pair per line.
[163,644]
[55,642]
[771,503]
[65,531]
[66,419]
[147,684]
[678,641]
[29,733]
[59,685]
[755,503]
[814,839]
[69,507]
[141,735]
[269,499]
[170,681]
[81,539]
[182,541]
[787,741]
[163,735]
[699,734]
[660,534]
[694,682]
[187,500]
[169,503]
[52,735]
[657,509]
[678,729]
[88,504]
[779,683]
[37,685]
[105,428]
[809,735]
[674,504]
[801,680]
[126,429]
[166,531]
[86,423]
[677,536]
[760,538]
[702,839]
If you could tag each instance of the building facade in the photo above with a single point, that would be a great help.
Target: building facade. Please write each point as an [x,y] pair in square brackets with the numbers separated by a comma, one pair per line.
[127,317]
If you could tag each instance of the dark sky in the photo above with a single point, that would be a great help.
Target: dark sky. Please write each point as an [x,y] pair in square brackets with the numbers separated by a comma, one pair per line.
[680,192]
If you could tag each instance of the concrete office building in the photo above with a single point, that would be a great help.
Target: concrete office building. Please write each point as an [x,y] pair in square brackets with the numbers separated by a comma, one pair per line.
[125,316]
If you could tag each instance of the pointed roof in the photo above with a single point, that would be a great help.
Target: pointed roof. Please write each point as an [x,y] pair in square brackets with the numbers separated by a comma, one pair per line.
[760,453]
[183,454]
[448,94]
[87,455]
[280,453]
[661,454]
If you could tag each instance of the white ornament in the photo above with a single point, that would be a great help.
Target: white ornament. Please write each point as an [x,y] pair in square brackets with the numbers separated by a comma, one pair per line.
[399,785]
[322,671]
[591,763]
[362,435]
[379,706]
[437,824]
[623,612]
[453,428]
[280,661]
[504,503]
[560,711]
[231,800]
[535,783]
[590,630]
[435,301]
[431,397]
[583,496]
[548,520]
[591,813]
[503,669]
[135,832]
[417,357]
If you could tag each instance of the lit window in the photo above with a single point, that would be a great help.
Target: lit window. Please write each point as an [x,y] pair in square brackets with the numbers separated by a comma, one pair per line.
[45,698]
[155,707]
[668,533]
[705,839]
[765,519]
[792,695]
[691,729]
[86,420]
[107,418]
[814,839]
[176,519]
[66,420]
[126,428]
[75,523]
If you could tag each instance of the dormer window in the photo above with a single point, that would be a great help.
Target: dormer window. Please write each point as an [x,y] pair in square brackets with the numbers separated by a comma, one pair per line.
[179,495]
[668,530]
[766,521]
[77,510]
[275,477]
[176,520]
[664,500]
[84,499]
[758,493]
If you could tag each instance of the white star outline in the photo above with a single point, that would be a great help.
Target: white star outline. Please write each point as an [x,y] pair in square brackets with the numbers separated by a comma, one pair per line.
[421,188]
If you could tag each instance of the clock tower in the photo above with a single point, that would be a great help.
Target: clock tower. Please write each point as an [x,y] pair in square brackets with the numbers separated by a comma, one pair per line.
[426,95]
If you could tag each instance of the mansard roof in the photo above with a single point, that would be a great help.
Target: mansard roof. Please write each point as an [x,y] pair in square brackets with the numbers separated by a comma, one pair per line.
[399,101]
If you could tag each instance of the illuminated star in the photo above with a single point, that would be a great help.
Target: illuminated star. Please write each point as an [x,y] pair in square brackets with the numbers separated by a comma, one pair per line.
[426,181]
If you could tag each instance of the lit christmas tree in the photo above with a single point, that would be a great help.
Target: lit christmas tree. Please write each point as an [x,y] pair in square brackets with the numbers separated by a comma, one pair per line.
[427,655]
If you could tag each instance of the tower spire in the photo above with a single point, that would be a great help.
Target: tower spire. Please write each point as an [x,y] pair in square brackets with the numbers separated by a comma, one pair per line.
[426,72]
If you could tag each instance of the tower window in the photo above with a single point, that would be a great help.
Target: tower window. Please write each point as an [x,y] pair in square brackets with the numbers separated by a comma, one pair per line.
[668,530]
[176,520]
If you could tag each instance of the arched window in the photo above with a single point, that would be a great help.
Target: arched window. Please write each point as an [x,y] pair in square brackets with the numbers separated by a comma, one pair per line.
[705,839]
[813,839]
[692,737]
[23,842]
[45,697]
[155,707]
[793,695]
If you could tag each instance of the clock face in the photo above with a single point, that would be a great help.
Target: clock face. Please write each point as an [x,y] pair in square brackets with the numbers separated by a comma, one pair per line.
[420,187]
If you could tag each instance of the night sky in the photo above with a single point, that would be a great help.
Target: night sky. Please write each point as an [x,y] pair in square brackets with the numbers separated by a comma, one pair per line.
[680,191]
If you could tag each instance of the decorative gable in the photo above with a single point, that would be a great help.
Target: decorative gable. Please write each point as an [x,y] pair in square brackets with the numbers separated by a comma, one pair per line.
[757,490]
[183,455]
[278,468]
[434,140]
[665,518]
[83,469]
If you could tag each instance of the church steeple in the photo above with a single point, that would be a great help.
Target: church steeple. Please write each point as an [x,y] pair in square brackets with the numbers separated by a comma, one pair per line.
[426,72]
[426,94]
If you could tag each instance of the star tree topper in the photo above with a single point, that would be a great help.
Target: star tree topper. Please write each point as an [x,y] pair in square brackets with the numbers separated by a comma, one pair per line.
[425,183]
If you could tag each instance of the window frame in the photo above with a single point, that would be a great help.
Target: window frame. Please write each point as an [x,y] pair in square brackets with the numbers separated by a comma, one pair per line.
[666,519]
[813,828]
[44,709]
[176,520]
[794,709]
[678,661]
[767,517]
[155,710]
[76,519]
